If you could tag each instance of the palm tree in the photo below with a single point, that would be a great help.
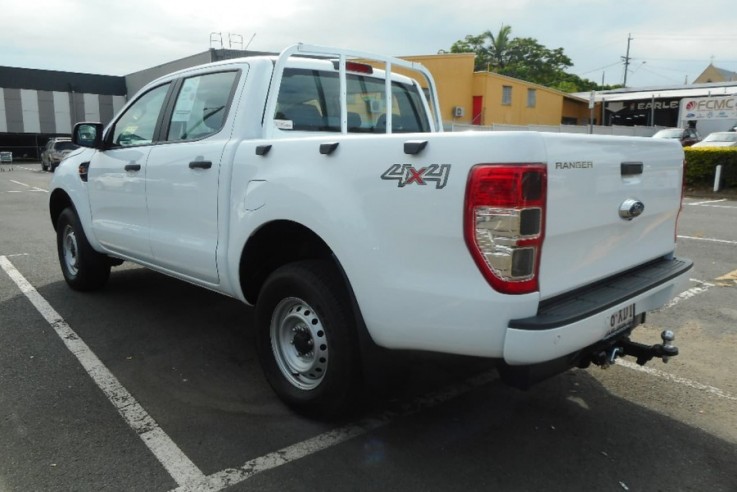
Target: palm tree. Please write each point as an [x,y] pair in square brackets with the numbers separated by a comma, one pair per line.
[497,49]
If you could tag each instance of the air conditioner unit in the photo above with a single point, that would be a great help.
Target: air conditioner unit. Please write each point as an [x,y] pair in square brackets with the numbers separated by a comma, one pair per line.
[458,111]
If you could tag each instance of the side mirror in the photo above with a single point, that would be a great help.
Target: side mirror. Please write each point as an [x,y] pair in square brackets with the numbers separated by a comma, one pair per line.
[88,135]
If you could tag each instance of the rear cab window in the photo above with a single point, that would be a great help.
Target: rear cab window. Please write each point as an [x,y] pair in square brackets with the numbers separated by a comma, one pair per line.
[309,100]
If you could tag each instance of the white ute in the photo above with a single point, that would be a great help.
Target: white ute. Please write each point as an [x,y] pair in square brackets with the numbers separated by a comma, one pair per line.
[322,190]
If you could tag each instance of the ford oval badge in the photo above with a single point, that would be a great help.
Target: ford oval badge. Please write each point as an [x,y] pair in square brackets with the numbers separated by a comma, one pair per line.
[631,208]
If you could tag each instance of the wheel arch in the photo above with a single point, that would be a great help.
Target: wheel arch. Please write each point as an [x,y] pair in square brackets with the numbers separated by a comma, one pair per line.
[282,241]
[273,245]
[58,201]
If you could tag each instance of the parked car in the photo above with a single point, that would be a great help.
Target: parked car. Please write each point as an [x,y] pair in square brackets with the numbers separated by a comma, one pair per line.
[55,151]
[719,139]
[6,157]
[687,136]
[325,193]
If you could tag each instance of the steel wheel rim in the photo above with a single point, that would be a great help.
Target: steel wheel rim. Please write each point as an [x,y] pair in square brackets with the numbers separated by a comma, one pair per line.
[70,250]
[299,343]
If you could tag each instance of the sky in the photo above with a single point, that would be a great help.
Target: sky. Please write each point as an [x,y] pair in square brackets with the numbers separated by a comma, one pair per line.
[672,42]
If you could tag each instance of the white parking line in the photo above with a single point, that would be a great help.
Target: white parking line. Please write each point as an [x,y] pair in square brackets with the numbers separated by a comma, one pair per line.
[32,188]
[711,204]
[677,379]
[186,474]
[179,466]
[708,239]
[688,294]
[231,476]
[708,202]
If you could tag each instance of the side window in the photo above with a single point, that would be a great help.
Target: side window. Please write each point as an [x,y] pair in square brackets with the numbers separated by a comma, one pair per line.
[137,125]
[201,106]
[301,104]
[309,100]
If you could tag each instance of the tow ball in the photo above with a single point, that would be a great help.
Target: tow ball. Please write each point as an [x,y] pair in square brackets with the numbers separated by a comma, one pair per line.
[643,353]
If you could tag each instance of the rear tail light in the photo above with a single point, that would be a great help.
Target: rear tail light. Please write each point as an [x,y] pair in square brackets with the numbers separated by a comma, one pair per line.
[680,208]
[504,223]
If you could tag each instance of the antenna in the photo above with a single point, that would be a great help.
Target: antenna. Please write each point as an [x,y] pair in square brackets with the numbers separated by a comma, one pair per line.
[216,37]
[250,41]
[238,40]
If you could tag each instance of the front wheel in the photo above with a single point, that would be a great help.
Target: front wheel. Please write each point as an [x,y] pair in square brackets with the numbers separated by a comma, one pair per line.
[307,341]
[83,268]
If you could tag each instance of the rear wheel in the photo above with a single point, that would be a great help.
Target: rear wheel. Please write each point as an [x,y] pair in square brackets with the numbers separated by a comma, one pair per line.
[83,268]
[307,338]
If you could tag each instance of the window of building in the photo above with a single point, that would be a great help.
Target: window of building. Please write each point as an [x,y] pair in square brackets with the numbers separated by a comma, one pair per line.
[507,95]
[531,98]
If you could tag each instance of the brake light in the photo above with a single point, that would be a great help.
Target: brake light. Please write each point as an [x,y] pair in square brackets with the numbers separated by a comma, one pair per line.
[355,67]
[504,223]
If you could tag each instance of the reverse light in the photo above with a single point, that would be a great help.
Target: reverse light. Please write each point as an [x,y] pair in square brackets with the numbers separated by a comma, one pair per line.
[504,223]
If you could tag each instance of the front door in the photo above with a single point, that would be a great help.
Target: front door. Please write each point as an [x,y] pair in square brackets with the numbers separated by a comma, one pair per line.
[116,179]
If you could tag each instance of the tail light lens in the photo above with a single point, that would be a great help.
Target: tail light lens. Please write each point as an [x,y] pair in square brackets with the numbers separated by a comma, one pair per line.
[504,223]
[680,208]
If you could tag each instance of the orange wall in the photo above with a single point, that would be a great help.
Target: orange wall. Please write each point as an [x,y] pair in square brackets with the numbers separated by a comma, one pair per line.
[457,83]
[453,75]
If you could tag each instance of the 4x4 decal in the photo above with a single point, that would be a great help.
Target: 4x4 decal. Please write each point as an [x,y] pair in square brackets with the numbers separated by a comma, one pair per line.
[405,174]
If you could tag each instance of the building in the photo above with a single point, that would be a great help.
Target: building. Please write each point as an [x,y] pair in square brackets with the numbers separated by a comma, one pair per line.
[38,104]
[655,106]
[714,74]
[487,98]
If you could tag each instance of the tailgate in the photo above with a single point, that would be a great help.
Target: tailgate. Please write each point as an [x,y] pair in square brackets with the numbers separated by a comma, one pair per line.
[589,179]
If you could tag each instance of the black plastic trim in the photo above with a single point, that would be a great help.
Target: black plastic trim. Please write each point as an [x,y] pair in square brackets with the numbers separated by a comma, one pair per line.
[328,148]
[598,297]
[631,168]
[262,150]
[414,146]
[200,164]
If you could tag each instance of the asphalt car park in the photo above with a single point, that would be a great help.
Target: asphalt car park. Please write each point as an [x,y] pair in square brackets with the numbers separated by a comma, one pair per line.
[153,384]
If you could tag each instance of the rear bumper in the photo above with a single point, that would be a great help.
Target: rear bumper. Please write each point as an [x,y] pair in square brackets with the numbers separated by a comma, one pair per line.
[567,323]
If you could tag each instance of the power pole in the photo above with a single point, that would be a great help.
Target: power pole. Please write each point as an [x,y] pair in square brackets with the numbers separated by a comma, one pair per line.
[626,60]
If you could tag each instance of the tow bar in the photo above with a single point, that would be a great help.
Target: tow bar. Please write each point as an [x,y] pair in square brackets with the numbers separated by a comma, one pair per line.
[643,353]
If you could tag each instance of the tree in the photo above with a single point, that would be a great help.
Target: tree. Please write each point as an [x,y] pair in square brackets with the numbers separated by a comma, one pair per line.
[522,58]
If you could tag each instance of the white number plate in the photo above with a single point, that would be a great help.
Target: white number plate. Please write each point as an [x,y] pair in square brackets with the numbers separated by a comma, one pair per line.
[620,320]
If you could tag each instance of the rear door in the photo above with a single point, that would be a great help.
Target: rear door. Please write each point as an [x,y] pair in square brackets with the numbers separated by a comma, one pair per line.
[183,175]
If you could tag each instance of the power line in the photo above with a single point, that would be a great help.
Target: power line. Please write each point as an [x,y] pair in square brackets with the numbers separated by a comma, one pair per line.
[685,37]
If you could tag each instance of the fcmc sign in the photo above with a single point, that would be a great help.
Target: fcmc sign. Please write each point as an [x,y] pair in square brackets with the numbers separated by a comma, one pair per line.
[704,108]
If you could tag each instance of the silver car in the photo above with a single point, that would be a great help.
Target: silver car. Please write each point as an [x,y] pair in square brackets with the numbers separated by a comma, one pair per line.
[55,151]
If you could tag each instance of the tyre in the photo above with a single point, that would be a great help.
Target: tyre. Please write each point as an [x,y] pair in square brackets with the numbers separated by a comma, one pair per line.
[307,339]
[43,165]
[84,268]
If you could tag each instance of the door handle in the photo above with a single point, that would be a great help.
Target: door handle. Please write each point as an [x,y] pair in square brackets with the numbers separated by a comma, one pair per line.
[414,146]
[132,167]
[200,165]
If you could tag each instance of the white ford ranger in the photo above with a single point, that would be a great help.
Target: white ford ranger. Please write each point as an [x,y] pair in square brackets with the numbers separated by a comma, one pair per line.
[322,190]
